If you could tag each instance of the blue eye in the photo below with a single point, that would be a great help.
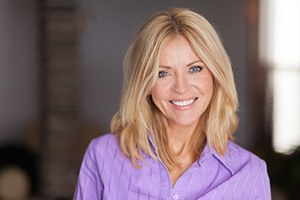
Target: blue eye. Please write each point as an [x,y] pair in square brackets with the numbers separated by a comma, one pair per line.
[162,74]
[195,69]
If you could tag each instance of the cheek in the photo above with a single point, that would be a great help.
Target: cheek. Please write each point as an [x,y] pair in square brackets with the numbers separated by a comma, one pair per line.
[207,85]
[158,93]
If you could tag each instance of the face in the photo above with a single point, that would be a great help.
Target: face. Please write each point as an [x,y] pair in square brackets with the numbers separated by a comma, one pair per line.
[185,85]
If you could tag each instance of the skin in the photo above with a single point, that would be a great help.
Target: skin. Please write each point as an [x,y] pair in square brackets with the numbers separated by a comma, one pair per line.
[182,93]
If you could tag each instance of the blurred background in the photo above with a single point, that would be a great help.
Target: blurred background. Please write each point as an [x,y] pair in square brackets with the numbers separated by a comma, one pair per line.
[61,76]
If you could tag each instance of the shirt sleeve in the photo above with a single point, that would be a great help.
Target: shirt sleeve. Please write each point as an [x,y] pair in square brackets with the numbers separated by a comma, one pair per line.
[89,186]
[262,187]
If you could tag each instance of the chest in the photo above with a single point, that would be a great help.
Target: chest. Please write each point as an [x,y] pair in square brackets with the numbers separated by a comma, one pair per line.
[153,181]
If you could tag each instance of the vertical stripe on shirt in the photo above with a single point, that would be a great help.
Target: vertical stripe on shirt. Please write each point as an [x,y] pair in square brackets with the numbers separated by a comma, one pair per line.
[106,173]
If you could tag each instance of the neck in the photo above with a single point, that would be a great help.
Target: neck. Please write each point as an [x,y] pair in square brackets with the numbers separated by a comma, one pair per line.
[185,141]
[180,133]
[180,142]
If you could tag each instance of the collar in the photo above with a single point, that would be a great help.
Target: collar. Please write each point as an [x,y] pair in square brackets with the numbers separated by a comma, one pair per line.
[152,144]
[229,160]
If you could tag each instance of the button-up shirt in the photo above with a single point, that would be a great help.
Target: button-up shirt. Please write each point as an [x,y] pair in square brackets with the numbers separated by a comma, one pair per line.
[106,173]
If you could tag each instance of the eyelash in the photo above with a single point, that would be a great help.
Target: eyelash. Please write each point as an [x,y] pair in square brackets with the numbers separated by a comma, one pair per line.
[162,74]
[193,69]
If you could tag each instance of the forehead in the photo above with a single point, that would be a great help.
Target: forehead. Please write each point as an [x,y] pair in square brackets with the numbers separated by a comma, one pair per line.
[177,50]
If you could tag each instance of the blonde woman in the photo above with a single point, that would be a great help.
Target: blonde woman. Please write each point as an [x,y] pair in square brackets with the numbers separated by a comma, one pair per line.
[172,135]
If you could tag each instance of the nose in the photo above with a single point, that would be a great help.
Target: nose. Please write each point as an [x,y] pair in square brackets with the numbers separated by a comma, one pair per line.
[181,84]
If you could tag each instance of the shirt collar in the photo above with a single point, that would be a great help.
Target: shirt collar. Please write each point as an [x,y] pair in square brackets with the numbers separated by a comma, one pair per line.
[228,160]
[153,147]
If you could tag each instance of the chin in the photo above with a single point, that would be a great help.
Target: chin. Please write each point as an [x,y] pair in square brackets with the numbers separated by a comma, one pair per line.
[186,123]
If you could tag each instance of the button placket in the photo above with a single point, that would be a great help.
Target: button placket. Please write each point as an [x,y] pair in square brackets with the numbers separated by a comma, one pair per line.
[175,197]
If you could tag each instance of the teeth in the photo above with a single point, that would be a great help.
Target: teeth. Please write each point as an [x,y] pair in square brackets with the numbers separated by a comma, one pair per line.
[183,103]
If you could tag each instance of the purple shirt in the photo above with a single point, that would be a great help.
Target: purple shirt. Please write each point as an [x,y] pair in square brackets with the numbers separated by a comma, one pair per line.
[106,173]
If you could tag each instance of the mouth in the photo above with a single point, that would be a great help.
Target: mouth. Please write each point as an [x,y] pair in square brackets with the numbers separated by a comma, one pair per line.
[183,103]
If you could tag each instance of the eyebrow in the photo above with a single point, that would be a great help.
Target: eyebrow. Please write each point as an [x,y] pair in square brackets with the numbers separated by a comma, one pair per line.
[168,67]
[196,61]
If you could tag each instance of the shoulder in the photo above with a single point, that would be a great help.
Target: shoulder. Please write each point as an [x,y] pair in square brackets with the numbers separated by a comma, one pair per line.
[102,152]
[94,165]
[106,142]
[238,159]
[242,156]
[245,162]
[103,146]
[250,170]
[103,141]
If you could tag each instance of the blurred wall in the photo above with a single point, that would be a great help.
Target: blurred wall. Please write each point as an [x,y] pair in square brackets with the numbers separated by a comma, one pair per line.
[111,27]
[19,103]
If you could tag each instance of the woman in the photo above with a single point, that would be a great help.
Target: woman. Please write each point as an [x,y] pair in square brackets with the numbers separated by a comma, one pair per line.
[172,135]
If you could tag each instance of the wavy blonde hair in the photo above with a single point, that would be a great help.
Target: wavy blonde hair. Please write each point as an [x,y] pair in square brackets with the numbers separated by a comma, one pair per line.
[138,117]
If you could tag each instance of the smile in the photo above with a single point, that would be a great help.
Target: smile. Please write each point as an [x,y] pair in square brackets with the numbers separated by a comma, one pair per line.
[183,102]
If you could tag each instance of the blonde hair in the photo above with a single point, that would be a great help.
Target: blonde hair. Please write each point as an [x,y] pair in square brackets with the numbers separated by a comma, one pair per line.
[138,117]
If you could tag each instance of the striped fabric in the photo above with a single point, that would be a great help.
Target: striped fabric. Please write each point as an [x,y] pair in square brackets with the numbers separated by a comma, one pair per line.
[107,174]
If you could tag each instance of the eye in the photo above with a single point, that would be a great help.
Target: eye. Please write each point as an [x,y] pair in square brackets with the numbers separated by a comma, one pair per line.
[162,74]
[195,69]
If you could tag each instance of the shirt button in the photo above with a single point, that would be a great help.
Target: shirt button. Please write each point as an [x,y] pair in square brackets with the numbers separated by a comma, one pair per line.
[175,197]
